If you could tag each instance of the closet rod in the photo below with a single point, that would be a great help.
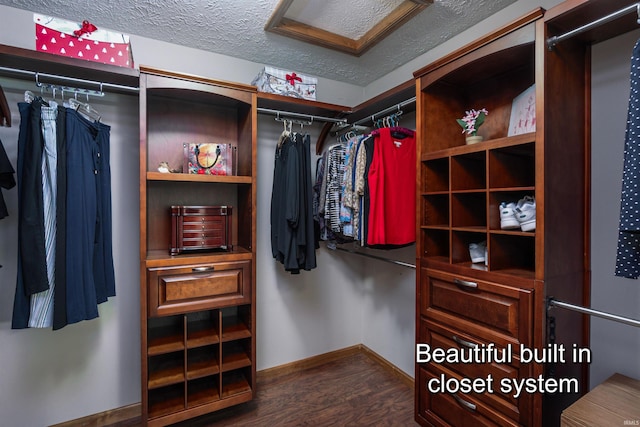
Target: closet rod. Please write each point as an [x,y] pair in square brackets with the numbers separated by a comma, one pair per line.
[626,320]
[300,115]
[392,261]
[554,40]
[372,117]
[73,80]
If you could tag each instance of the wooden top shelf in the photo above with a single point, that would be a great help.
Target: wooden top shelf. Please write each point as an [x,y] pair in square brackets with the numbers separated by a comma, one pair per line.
[42,62]
[286,103]
[509,141]
[186,177]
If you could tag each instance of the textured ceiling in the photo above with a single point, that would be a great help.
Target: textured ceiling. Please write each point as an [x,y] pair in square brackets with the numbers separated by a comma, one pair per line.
[330,15]
[236,28]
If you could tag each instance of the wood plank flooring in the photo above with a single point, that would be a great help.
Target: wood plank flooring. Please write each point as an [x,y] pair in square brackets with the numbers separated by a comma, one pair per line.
[355,390]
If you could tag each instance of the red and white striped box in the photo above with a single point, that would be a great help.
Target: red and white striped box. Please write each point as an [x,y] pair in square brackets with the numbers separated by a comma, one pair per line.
[82,40]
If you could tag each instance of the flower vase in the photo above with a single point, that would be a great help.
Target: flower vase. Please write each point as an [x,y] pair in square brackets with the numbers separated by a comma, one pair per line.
[472,139]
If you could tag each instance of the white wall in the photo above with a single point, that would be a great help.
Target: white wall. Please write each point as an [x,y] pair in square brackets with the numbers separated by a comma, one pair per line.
[615,347]
[301,315]
[92,366]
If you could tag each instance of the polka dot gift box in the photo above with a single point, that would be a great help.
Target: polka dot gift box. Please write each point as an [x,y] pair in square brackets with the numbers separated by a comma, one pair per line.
[82,40]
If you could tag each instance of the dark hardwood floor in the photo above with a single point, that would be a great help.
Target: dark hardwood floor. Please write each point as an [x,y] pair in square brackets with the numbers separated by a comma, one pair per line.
[355,390]
[350,387]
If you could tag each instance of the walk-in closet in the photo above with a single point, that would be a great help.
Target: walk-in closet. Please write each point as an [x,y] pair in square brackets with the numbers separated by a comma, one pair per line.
[182,247]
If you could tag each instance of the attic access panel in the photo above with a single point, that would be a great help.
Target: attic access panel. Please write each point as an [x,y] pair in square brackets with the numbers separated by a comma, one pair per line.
[351,27]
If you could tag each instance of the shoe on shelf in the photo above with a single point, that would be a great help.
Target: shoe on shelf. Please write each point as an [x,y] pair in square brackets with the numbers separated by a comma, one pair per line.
[508,219]
[525,213]
[486,257]
[478,251]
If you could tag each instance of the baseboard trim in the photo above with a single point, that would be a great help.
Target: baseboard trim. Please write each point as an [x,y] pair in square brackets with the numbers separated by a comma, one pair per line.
[308,363]
[402,375]
[132,413]
[119,415]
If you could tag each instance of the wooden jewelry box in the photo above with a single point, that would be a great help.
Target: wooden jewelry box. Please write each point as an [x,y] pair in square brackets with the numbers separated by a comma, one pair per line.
[197,228]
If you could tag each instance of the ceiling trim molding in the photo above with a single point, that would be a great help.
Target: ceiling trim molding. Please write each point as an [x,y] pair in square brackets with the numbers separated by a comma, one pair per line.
[297,30]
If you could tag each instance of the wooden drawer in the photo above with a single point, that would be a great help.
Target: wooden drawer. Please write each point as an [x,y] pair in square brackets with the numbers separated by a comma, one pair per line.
[493,312]
[181,289]
[444,337]
[459,410]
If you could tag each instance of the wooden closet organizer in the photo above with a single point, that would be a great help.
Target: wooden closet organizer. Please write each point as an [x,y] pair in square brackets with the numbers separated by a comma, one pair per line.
[198,323]
[461,304]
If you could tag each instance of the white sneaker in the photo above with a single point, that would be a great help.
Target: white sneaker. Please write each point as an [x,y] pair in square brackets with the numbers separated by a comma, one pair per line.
[526,213]
[478,251]
[508,219]
[486,257]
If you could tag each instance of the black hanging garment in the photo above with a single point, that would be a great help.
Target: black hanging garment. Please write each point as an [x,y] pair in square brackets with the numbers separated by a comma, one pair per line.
[7,181]
[628,254]
[293,240]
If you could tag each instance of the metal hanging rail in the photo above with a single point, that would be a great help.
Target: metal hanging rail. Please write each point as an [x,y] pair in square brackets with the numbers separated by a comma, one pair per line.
[626,320]
[386,111]
[554,40]
[311,117]
[99,85]
[379,258]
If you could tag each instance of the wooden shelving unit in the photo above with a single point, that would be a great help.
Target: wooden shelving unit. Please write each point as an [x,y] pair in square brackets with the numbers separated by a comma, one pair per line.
[197,308]
[501,301]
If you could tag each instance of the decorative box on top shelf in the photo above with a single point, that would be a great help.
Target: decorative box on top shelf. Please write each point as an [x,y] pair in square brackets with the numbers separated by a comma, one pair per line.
[286,83]
[82,41]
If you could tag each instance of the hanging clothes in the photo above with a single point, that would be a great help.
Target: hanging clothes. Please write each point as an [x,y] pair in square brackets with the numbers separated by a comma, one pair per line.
[333,192]
[392,188]
[31,221]
[68,199]
[41,311]
[7,180]
[351,194]
[5,113]
[89,262]
[366,188]
[628,253]
[293,241]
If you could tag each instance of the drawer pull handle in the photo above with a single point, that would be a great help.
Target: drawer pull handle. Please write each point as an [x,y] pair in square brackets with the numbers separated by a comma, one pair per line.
[470,406]
[203,269]
[465,283]
[464,343]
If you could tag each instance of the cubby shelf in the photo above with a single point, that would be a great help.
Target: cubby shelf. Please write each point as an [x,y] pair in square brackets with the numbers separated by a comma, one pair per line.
[462,188]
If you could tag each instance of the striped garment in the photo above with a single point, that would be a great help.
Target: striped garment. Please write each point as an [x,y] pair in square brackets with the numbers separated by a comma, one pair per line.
[41,311]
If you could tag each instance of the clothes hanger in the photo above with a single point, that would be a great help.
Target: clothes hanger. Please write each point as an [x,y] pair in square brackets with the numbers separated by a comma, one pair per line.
[85,109]
[29,96]
[285,131]
[42,87]
[398,131]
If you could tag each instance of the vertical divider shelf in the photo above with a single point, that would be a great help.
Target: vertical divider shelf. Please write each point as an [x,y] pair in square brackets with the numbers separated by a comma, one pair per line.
[187,339]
